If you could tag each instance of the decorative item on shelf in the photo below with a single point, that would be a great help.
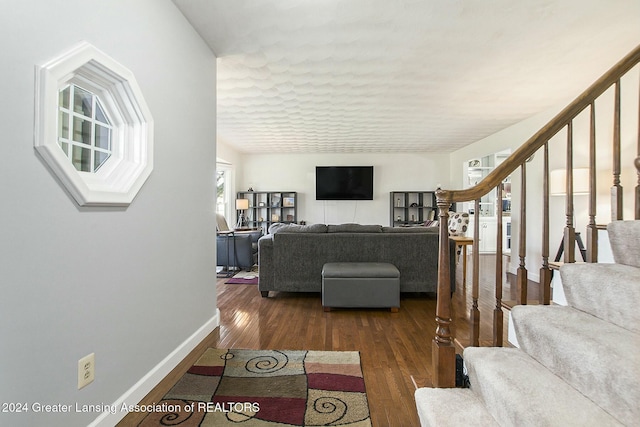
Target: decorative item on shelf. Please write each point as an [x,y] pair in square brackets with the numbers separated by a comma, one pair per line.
[288,202]
[261,204]
[398,219]
[275,201]
[260,219]
[289,218]
[398,204]
[473,164]
[413,217]
[414,205]
[275,217]
[250,189]
[241,205]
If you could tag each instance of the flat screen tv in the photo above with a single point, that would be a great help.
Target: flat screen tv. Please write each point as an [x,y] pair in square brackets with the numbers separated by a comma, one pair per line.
[344,182]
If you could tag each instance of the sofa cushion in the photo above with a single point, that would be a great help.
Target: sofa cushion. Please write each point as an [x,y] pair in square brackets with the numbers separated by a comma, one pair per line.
[354,228]
[458,223]
[410,230]
[280,227]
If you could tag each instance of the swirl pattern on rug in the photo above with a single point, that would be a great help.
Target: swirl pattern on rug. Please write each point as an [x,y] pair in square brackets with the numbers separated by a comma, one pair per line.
[256,388]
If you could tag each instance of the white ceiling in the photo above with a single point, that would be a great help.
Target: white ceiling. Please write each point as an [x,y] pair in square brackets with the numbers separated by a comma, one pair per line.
[400,75]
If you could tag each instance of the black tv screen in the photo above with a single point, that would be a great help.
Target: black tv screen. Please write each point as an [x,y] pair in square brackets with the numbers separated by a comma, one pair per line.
[344,182]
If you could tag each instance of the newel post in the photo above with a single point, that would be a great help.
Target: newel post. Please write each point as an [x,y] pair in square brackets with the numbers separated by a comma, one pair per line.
[637,164]
[444,354]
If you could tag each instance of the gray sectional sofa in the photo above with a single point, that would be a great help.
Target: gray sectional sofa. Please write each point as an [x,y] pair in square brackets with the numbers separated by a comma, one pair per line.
[291,256]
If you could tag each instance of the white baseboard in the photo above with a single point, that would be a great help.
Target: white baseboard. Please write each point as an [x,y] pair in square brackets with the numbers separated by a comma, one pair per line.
[534,276]
[139,390]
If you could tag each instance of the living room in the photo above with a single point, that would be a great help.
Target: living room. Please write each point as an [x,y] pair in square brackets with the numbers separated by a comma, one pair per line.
[135,285]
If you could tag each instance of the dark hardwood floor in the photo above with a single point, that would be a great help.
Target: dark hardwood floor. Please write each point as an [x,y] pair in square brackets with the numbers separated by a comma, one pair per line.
[395,348]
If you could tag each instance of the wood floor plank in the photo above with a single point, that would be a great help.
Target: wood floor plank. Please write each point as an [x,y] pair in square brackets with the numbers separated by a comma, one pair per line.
[394,347]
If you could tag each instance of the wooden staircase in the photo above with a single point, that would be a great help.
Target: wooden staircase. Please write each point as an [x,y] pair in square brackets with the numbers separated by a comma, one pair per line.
[531,162]
[574,365]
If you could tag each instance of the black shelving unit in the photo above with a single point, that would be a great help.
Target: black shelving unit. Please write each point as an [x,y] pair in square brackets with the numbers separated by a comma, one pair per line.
[412,207]
[267,207]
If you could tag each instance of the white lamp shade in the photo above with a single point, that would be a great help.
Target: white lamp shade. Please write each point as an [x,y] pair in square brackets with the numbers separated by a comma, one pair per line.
[558,182]
[242,204]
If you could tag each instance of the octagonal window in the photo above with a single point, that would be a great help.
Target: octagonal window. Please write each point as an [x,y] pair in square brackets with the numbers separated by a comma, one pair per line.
[84,131]
[93,127]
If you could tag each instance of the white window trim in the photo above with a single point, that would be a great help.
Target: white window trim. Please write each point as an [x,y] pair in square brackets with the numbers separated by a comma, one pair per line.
[229,190]
[120,179]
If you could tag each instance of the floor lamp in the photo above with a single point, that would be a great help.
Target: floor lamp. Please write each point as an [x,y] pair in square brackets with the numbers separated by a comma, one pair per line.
[557,187]
[241,205]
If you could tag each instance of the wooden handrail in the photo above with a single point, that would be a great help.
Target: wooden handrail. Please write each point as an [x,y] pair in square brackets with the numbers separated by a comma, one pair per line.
[443,353]
[534,143]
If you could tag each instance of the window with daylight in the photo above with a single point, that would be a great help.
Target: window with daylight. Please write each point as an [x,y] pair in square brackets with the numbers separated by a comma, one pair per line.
[93,127]
[84,131]
[224,189]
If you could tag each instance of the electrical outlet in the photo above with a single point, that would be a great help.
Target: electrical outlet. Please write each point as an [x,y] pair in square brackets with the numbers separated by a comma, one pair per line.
[86,370]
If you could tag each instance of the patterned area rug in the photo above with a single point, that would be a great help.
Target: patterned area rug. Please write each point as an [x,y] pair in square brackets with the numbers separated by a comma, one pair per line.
[244,278]
[263,388]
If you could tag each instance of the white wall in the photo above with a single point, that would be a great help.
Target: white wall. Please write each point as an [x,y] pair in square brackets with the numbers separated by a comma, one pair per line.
[296,172]
[129,284]
[227,153]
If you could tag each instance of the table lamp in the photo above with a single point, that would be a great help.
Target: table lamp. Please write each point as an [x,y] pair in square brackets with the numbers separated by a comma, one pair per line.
[241,205]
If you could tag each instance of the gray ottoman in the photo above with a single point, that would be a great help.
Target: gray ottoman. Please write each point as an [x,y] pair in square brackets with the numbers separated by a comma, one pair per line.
[360,284]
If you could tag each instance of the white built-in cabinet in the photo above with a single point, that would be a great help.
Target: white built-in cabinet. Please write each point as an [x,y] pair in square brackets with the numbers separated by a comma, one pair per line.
[475,170]
[488,232]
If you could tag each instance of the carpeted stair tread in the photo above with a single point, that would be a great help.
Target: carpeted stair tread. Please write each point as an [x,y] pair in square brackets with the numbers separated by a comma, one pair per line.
[440,407]
[608,291]
[596,357]
[519,391]
[624,237]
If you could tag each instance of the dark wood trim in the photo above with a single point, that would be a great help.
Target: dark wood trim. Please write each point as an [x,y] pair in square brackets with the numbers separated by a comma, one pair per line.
[474,314]
[498,316]
[443,351]
[569,240]
[616,188]
[637,163]
[545,272]
[592,231]
[522,247]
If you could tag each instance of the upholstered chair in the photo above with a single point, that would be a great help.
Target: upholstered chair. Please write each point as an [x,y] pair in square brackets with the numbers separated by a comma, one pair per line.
[235,249]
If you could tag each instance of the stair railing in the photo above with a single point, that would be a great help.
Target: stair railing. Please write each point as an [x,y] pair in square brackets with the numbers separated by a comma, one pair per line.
[443,347]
